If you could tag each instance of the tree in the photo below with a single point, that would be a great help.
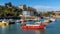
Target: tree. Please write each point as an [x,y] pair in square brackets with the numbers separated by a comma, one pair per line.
[48,13]
[8,4]
[24,7]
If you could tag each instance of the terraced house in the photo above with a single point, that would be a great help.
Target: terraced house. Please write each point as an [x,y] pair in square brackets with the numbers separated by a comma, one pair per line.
[28,11]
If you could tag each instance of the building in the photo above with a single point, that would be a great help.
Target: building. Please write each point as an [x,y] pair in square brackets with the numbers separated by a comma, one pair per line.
[28,13]
[23,7]
[57,14]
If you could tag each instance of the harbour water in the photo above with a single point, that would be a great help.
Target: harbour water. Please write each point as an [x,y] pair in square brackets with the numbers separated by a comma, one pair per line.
[52,28]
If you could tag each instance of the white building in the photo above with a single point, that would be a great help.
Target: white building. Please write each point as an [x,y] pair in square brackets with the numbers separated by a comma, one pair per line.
[26,13]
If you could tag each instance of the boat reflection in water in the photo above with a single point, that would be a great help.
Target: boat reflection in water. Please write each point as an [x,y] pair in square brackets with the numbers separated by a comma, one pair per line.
[3,29]
[34,31]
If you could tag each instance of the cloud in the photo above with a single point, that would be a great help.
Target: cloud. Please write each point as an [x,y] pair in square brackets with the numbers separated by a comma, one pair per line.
[46,8]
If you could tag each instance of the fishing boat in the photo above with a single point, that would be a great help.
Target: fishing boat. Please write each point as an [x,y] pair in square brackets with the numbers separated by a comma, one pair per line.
[22,21]
[37,25]
[17,21]
[11,21]
[46,22]
[4,23]
[52,19]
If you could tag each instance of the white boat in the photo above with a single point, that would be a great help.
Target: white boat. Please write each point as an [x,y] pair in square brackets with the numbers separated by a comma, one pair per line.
[52,19]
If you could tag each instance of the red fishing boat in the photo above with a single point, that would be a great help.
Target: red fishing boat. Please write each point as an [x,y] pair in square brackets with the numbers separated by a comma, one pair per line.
[34,26]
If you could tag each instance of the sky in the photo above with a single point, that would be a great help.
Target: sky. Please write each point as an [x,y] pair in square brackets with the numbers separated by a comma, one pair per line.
[40,5]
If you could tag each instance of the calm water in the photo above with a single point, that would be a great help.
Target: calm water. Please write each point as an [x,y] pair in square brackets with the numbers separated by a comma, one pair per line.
[52,28]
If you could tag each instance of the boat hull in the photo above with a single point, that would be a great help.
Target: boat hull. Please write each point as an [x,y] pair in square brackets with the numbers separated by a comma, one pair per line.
[33,27]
